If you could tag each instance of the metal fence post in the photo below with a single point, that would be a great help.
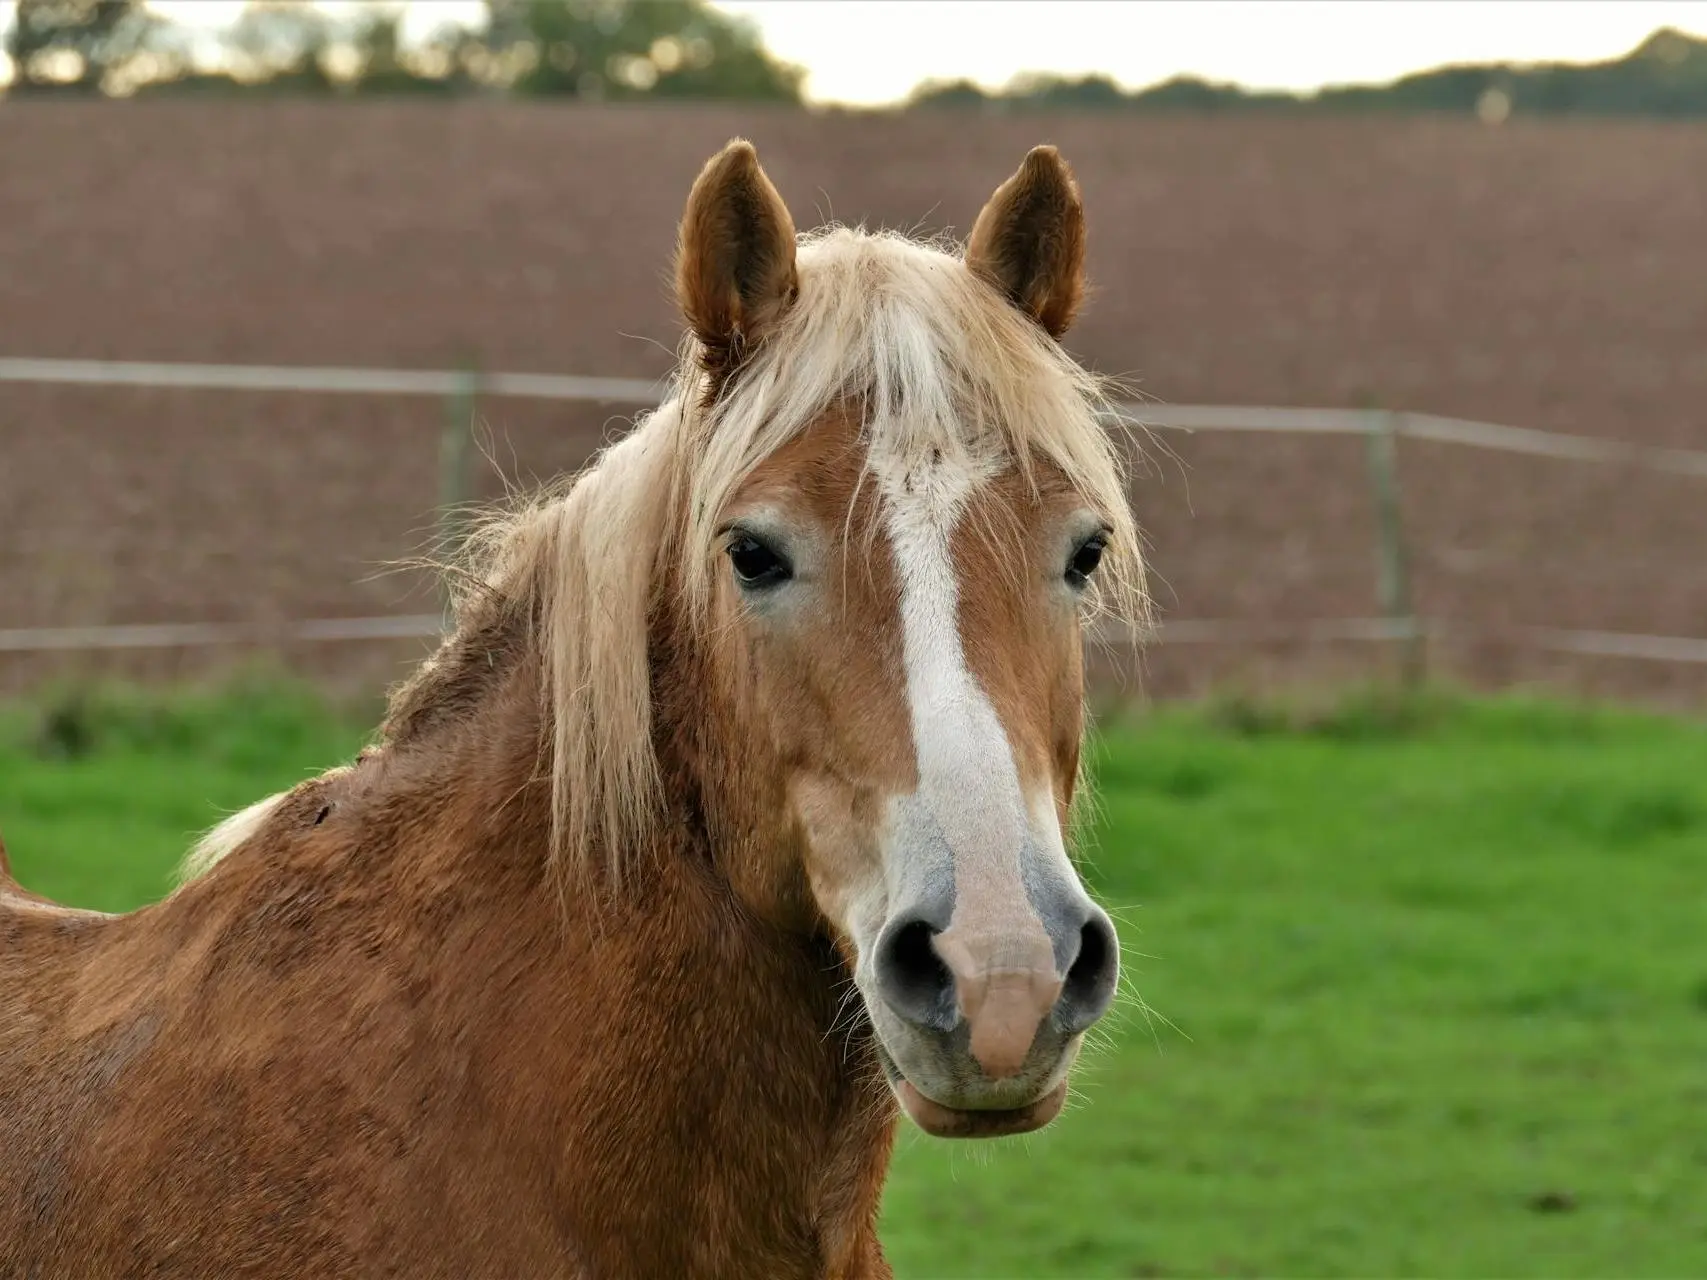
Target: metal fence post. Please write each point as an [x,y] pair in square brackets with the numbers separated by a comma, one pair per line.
[1393,578]
[454,439]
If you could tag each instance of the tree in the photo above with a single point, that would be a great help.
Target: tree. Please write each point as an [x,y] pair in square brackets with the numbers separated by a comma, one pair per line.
[282,46]
[1093,92]
[631,49]
[960,94]
[80,46]
[382,65]
[287,47]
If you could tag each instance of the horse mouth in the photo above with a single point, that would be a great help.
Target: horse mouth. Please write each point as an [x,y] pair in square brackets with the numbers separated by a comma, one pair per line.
[941,1121]
[948,1122]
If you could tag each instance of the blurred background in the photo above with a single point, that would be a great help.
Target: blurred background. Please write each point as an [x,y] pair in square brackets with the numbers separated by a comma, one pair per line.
[1409,799]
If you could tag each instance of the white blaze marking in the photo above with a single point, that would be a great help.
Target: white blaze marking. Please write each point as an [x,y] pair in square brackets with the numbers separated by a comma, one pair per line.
[967,776]
[968,779]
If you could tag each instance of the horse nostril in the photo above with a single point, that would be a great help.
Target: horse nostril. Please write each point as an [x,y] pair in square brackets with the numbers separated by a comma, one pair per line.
[1089,988]
[912,977]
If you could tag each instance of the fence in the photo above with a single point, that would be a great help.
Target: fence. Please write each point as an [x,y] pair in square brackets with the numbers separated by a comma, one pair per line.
[461,390]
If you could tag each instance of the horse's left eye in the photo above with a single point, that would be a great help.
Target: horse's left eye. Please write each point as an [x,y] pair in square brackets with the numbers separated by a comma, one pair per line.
[1085,560]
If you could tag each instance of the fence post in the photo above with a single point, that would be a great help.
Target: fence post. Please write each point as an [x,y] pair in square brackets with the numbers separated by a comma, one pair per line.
[1393,580]
[454,439]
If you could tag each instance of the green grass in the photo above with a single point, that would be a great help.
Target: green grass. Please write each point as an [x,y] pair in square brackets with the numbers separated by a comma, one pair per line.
[1434,978]
[103,791]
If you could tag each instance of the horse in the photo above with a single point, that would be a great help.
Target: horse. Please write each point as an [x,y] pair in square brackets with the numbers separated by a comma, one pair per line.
[728,823]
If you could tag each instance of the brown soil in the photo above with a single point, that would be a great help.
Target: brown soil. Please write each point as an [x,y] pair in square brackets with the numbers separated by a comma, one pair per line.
[1549,275]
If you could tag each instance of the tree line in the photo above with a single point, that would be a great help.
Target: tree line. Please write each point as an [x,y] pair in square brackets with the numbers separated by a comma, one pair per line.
[613,49]
[631,49]
[1666,75]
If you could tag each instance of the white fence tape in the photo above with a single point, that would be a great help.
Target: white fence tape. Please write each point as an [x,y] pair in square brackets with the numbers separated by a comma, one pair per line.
[384,382]
[192,635]
[1420,426]
[1183,631]
[545,386]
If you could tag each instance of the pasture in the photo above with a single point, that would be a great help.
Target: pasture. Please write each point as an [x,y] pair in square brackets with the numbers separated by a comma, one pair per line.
[1429,979]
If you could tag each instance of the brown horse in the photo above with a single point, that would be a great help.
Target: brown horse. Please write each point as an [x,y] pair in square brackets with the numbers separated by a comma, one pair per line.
[730,815]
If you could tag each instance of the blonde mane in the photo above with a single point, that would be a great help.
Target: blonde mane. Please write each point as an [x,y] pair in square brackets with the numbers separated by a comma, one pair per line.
[940,362]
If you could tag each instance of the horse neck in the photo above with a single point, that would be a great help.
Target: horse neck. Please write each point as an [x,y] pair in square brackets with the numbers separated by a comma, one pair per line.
[697,1061]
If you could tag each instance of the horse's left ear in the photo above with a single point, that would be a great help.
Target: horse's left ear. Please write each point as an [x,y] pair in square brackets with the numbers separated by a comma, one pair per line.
[1030,241]
[735,269]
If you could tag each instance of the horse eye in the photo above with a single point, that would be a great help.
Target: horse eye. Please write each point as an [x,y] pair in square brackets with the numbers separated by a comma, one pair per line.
[1085,560]
[756,565]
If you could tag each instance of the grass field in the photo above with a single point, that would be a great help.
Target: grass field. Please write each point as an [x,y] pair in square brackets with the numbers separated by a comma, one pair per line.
[1434,980]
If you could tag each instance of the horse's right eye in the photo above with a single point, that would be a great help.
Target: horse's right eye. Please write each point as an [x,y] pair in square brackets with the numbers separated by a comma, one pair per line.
[1085,560]
[756,565]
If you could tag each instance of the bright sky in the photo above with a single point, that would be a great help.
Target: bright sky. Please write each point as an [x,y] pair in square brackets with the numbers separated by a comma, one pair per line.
[870,51]
[874,51]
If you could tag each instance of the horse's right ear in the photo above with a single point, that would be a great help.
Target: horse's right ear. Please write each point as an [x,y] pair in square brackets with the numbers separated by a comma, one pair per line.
[735,270]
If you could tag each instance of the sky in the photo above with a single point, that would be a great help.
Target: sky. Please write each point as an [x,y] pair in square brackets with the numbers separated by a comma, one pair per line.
[868,52]
[872,51]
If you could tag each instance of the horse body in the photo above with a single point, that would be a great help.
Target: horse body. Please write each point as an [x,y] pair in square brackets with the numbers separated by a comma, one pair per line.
[369,1043]
[727,825]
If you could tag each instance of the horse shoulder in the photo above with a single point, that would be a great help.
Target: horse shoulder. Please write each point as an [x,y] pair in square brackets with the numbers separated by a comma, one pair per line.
[42,947]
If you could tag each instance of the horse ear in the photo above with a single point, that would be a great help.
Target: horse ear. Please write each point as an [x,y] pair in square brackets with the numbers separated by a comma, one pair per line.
[1029,241]
[735,269]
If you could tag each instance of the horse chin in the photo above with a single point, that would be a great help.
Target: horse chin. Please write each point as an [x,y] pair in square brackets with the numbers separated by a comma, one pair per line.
[949,1122]
[972,1119]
